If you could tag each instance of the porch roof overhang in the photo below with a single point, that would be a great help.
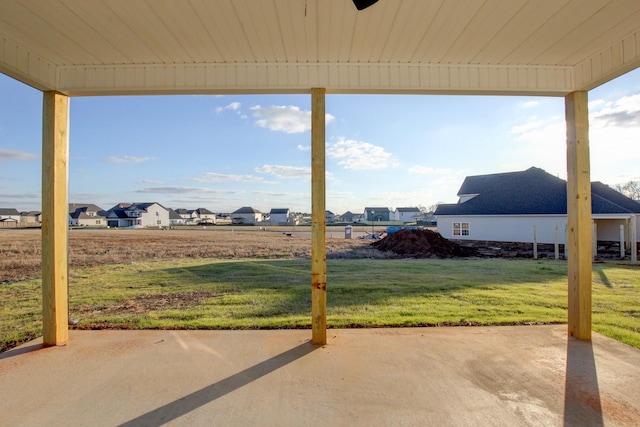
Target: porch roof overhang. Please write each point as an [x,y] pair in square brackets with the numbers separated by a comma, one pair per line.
[519,47]
[138,47]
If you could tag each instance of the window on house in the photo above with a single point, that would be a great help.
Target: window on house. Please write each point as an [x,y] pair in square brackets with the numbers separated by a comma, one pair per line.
[460,228]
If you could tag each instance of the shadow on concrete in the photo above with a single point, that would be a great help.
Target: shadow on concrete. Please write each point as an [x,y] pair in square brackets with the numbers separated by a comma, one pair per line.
[582,406]
[186,404]
[21,350]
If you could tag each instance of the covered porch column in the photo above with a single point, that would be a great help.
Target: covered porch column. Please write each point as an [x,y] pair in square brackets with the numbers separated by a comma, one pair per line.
[579,229]
[318,220]
[55,154]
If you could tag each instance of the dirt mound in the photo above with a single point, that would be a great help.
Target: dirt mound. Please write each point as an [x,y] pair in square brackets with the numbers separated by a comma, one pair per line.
[421,244]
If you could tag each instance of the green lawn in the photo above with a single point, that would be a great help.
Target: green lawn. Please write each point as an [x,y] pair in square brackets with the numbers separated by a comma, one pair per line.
[276,294]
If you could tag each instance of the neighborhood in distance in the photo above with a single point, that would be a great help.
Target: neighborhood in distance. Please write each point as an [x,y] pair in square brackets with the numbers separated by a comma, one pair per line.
[153,214]
[524,206]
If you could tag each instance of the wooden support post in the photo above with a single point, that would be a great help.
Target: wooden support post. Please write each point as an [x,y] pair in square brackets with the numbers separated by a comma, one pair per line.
[318,220]
[622,241]
[55,211]
[579,237]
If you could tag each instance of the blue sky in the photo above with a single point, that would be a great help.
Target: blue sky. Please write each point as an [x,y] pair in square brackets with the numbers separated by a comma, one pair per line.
[225,152]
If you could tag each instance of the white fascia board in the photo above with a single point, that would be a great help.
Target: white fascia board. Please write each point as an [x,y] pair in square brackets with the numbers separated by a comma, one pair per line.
[337,78]
[611,62]
[26,65]
[613,216]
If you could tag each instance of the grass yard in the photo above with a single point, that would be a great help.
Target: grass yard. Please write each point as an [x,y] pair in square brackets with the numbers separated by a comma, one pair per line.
[206,294]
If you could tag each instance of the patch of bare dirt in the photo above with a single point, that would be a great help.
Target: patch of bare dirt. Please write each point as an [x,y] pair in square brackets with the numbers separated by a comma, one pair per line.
[152,302]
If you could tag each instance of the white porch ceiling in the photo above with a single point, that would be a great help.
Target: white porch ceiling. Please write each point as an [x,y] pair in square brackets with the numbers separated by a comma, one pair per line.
[539,47]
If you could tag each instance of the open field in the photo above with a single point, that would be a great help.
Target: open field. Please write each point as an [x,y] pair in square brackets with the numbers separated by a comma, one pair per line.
[261,279]
[20,251]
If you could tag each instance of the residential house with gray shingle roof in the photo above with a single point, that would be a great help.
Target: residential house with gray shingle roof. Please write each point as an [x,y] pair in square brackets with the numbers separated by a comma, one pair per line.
[30,217]
[87,215]
[505,207]
[150,214]
[205,216]
[279,216]
[377,214]
[175,218]
[189,215]
[9,214]
[407,214]
[246,215]
[9,217]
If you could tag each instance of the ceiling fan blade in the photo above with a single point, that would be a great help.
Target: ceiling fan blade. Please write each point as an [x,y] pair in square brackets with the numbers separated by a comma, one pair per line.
[363,4]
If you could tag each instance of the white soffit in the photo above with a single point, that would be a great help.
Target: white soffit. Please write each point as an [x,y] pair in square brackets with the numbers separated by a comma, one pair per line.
[534,47]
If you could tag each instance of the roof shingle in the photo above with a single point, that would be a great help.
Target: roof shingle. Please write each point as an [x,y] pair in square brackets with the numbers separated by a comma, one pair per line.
[530,192]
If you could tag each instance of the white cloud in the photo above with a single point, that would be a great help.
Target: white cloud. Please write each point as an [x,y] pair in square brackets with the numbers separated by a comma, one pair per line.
[613,138]
[286,172]
[426,170]
[225,177]
[234,106]
[304,147]
[83,197]
[529,104]
[596,103]
[7,155]
[358,155]
[531,123]
[614,153]
[412,198]
[20,196]
[284,118]
[540,143]
[150,181]
[128,159]
[624,112]
[283,195]
[186,190]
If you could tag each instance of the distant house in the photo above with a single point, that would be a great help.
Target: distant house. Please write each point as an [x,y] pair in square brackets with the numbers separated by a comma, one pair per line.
[223,218]
[407,214]
[205,216]
[329,217]
[9,215]
[86,215]
[30,217]
[377,214]
[346,217]
[246,215]
[138,215]
[175,218]
[196,216]
[189,215]
[279,216]
[505,207]
[358,218]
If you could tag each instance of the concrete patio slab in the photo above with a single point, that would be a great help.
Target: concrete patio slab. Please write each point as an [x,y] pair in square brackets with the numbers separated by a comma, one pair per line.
[502,376]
